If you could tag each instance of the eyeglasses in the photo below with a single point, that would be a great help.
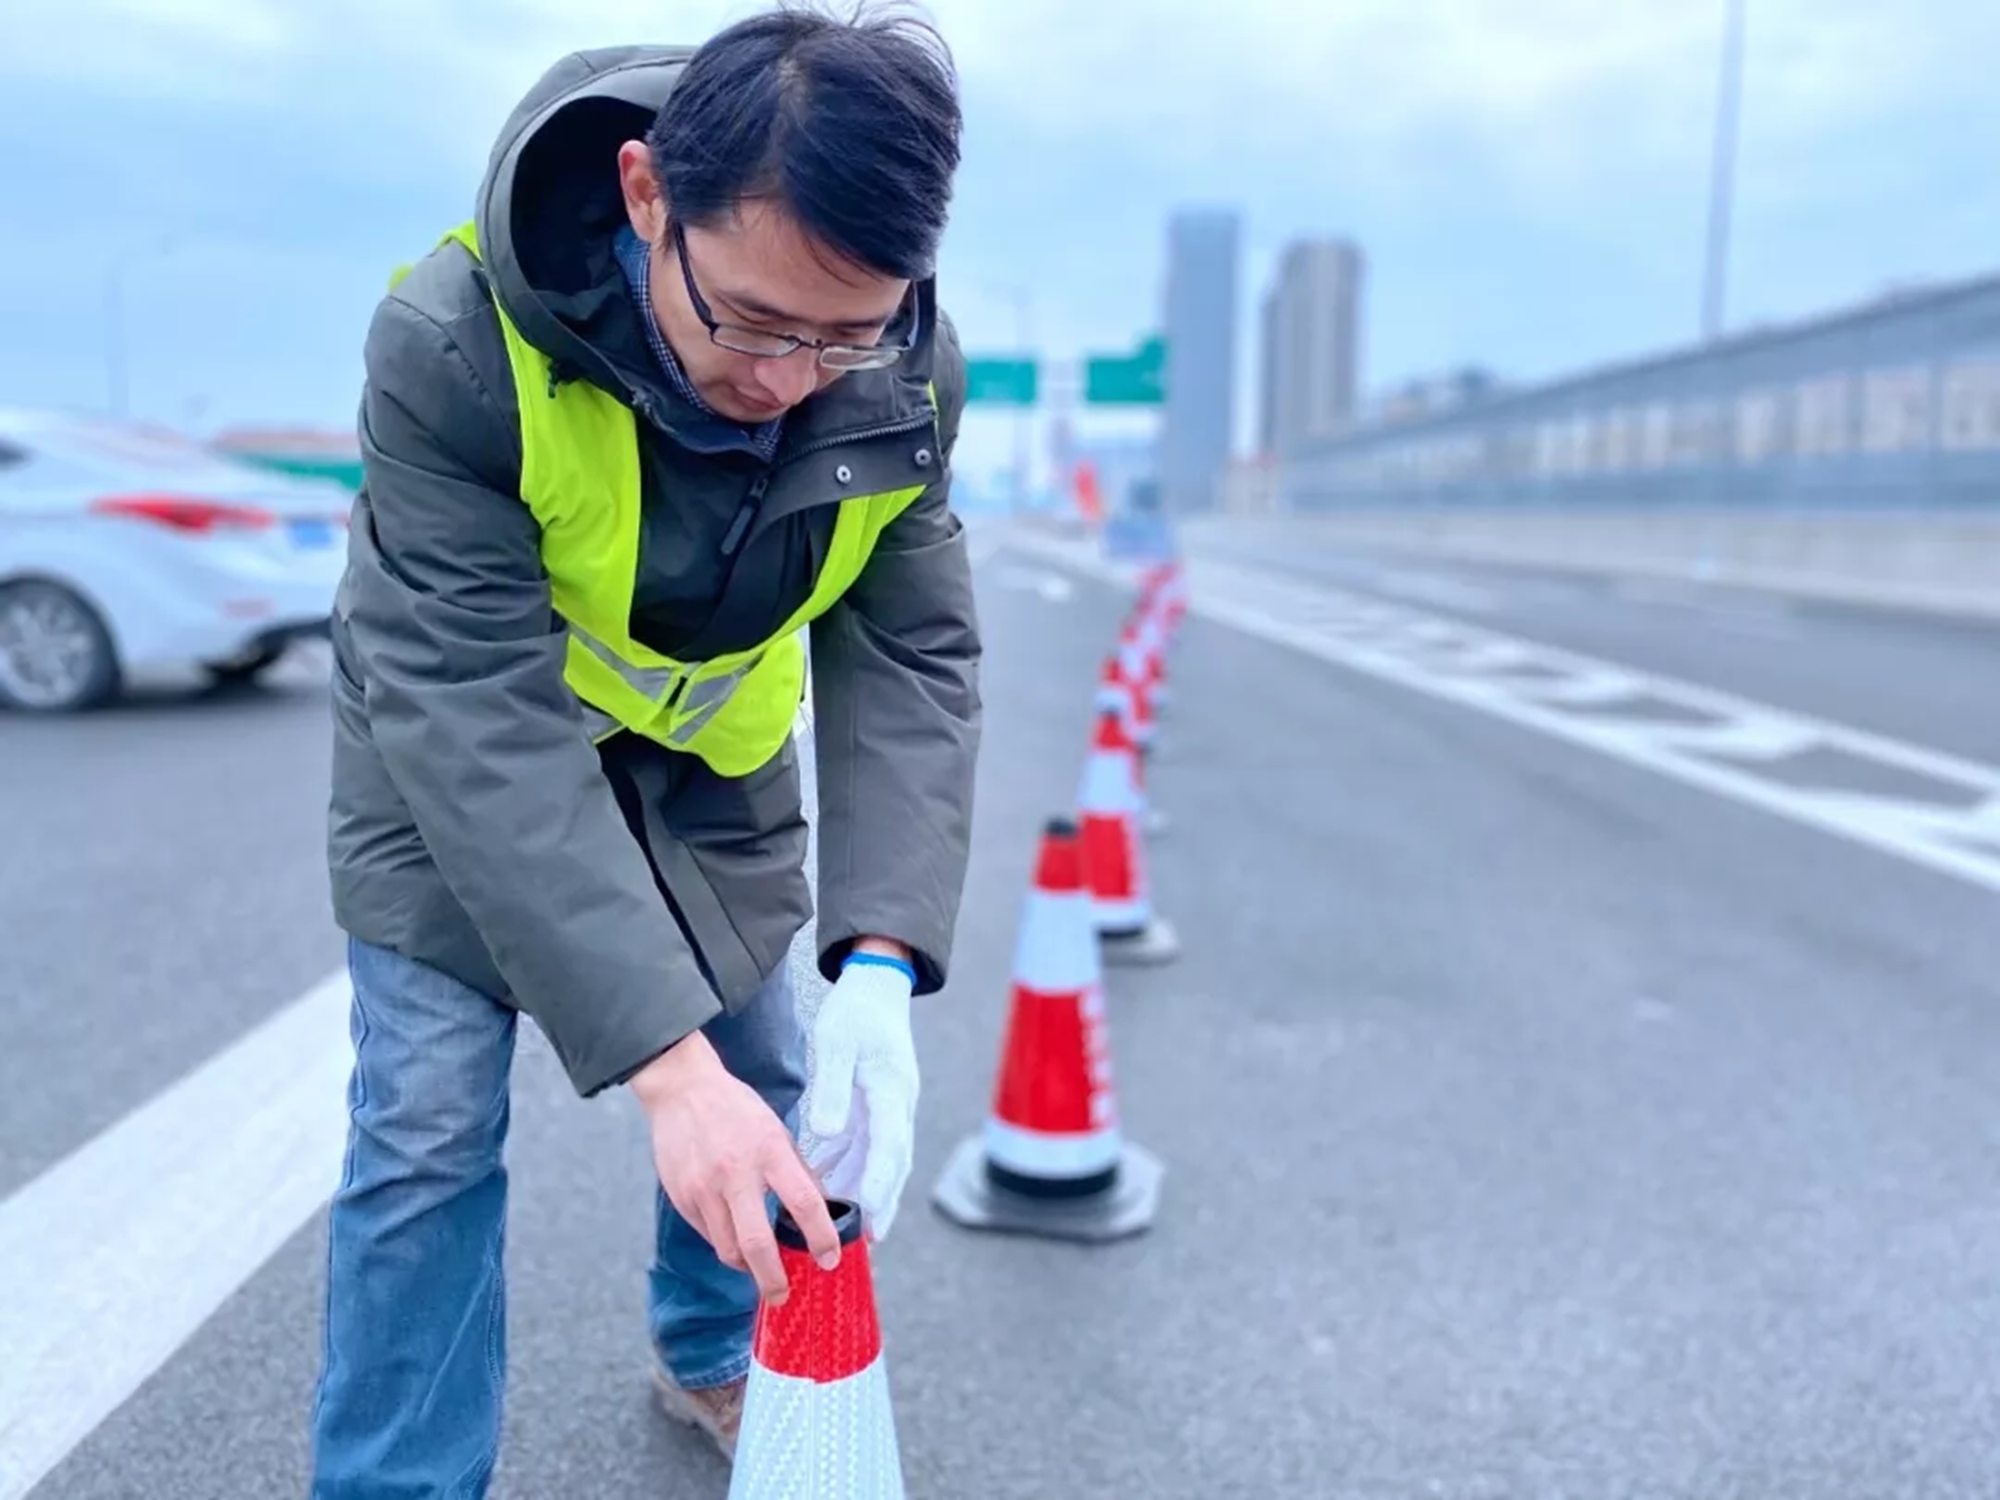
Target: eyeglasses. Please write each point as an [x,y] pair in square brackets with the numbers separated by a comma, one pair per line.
[765,344]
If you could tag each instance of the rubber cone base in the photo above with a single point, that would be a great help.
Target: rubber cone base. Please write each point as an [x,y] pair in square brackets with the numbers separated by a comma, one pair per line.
[1155,943]
[968,1196]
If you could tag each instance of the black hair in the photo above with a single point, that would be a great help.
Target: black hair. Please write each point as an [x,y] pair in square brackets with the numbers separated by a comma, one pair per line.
[850,125]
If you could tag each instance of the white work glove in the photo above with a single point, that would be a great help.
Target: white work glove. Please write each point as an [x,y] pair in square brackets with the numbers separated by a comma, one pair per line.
[862,1099]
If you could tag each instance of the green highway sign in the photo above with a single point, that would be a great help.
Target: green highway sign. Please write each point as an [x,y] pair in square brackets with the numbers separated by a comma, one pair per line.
[1000,382]
[1135,379]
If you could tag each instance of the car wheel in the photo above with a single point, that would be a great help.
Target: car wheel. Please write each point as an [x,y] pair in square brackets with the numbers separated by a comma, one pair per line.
[242,669]
[55,654]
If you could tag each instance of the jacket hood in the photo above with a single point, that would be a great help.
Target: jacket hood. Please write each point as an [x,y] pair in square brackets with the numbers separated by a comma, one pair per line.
[550,201]
[546,215]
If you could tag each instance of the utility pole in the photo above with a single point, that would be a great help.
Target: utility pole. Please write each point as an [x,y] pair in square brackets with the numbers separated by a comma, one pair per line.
[1722,172]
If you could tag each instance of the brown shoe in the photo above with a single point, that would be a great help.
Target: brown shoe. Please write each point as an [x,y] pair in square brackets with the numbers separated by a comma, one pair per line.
[716,1410]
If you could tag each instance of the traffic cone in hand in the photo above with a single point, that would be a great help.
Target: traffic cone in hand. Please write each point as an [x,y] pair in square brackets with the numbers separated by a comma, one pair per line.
[816,1415]
[1052,1159]
[1113,806]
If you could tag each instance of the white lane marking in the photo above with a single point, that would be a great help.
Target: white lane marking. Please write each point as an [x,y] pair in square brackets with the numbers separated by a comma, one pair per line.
[1940,834]
[1491,656]
[1589,687]
[1051,586]
[1762,739]
[112,1258]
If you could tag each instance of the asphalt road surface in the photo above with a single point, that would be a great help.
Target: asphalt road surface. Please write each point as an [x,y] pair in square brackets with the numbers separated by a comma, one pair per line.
[1907,674]
[1542,1117]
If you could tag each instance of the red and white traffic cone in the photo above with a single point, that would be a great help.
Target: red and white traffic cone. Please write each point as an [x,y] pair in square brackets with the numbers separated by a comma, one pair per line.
[1052,1159]
[1114,693]
[1153,821]
[1113,808]
[1126,689]
[1152,656]
[1157,618]
[1135,673]
[816,1414]
[1168,592]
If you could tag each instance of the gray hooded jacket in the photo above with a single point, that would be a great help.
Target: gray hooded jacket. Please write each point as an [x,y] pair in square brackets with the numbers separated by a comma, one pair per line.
[622,894]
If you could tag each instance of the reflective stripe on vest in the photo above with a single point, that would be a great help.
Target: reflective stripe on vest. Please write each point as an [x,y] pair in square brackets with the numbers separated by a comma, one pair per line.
[703,699]
[580,479]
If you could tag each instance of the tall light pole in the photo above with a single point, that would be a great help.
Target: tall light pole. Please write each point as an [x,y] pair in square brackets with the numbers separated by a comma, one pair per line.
[1722,172]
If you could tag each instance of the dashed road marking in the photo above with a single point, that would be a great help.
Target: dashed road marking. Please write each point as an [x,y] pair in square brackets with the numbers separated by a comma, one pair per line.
[1943,812]
[1051,586]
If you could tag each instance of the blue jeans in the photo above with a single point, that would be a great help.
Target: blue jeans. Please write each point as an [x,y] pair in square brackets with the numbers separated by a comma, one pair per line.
[415,1352]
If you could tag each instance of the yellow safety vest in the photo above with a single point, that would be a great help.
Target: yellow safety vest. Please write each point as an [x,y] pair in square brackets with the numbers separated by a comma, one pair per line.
[580,479]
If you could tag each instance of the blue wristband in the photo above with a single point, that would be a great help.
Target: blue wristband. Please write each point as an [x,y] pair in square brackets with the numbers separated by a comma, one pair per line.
[881,961]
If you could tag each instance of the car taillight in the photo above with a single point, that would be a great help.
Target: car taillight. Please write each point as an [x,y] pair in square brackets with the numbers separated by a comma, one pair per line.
[183,514]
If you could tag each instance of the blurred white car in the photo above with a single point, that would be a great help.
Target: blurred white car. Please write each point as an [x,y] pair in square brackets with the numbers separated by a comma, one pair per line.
[125,549]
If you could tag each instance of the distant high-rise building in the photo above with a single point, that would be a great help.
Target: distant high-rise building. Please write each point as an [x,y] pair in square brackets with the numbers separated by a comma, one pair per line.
[1198,425]
[1312,345]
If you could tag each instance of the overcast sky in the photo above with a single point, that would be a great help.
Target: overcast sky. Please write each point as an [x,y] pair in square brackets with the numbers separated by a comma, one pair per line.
[1528,177]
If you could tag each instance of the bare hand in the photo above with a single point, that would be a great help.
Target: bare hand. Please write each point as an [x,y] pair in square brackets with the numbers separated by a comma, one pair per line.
[717,1148]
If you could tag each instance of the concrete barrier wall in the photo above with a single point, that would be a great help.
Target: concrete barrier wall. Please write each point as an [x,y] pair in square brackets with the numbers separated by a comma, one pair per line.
[1943,562]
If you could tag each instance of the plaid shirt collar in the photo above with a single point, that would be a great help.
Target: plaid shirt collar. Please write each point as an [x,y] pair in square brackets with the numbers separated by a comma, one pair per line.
[635,259]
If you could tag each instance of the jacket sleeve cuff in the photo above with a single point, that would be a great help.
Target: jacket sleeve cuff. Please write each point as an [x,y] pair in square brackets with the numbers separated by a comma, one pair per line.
[930,967]
[600,1052]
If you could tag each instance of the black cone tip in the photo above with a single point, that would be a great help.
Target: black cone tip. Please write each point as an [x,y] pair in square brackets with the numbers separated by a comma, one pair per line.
[846,1223]
[1061,826]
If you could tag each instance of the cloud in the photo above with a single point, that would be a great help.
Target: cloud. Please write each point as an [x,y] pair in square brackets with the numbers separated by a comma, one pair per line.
[165,50]
[1195,81]
[1191,86]
[1529,176]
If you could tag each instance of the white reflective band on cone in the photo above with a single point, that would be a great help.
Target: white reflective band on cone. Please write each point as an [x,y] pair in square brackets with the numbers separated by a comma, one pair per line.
[1123,916]
[812,1440]
[1107,785]
[1055,953]
[1031,1153]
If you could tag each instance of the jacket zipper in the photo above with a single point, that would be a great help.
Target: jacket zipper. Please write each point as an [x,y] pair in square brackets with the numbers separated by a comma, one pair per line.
[739,527]
[745,514]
